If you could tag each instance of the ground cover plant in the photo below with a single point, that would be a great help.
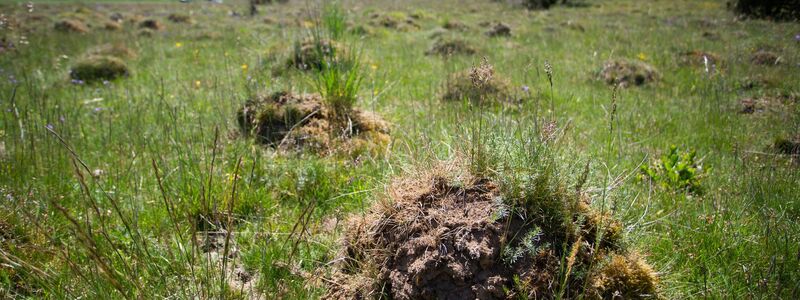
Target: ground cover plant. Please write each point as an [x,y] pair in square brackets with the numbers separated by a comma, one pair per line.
[404,150]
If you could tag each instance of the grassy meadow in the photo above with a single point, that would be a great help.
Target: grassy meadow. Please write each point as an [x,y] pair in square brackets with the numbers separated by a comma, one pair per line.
[118,188]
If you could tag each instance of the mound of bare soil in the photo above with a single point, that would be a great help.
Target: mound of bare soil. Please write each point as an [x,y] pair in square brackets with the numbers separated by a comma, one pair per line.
[478,85]
[151,24]
[627,72]
[447,47]
[444,235]
[290,121]
[765,58]
[71,25]
[499,29]
[394,20]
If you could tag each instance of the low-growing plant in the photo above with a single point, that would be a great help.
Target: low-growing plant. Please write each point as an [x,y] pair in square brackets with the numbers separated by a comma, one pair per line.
[677,170]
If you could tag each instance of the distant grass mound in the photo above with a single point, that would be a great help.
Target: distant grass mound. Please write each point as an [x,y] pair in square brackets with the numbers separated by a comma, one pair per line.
[448,234]
[626,73]
[781,10]
[313,54]
[285,120]
[479,85]
[455,46]
[99,67]
[71,25]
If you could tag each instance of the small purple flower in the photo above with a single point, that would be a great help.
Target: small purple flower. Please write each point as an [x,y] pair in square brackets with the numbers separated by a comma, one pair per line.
[98,109]
[797,37]
[77,81]
[526,89]
[49,126]
[61,119]
[12,79]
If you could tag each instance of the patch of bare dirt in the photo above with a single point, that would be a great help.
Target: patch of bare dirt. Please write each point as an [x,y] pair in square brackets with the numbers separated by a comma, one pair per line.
[448,235]
[286,120]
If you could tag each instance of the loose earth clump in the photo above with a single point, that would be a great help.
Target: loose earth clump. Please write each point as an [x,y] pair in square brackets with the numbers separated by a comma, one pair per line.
[765,58]
[99,67]
[447,47]
[499,29]
[627,72]
[447,234]
[466,85]
[71,25]
[285,120]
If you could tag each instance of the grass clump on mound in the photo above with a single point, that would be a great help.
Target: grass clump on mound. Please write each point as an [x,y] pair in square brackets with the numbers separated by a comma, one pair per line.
[71,25]
[448,233]
[699,58]
[286,120]
[115,50]
[498,29]
[151,24]
[180,18]
[313,53]
[790,146]
[394,20]
[447,47]
[99,67]
[478,85]
[765,58]
[626,73]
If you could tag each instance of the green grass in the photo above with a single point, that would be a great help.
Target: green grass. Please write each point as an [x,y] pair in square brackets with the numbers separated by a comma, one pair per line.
[175,117]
